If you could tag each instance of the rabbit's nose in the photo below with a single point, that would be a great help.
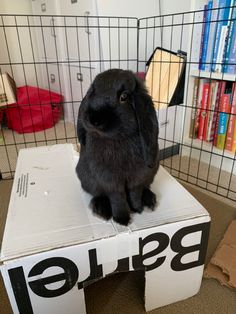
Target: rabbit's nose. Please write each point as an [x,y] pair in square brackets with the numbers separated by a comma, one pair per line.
[96,118]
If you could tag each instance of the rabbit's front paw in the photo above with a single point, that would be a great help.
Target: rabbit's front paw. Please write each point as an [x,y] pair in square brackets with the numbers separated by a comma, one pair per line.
[101,206]
[149,198]
[134,197]
[123,218]
[120,208]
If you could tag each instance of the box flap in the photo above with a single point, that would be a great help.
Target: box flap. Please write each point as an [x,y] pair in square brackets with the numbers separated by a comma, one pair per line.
[48,208]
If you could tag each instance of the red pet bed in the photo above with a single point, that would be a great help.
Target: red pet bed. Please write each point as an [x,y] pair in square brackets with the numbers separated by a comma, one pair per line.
[36,110]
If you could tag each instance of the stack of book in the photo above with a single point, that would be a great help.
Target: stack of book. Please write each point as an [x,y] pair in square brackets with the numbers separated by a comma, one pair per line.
[213,116]
[218,39]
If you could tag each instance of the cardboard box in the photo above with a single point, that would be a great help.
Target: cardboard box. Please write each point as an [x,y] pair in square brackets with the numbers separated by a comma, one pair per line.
[222,265]
[53,245]
[7,90]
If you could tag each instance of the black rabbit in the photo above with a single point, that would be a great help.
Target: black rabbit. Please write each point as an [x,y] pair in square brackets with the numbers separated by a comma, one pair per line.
[119,157]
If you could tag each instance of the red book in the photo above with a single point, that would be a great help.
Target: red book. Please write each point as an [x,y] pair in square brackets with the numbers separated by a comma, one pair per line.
[221,91]
[215,107]
[198,107]
[232,122]
[208,110]
[202,117]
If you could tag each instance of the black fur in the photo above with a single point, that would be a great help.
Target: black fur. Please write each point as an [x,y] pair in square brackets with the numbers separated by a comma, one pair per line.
[118,132]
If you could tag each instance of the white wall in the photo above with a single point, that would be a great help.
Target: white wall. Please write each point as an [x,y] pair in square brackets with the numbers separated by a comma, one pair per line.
[15,7]
[16,46]
[107,7]
[131,8]
[176,6]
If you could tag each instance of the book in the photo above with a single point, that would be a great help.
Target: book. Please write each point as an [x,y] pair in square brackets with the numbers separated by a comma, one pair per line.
[215,124]
[202,118]
[231,62]
[7,90]
[200,65]
[163,77]
[209,111]
[198,107]
[212,110]
[212,33]
[206,121]
[234,139]
[220,53]
[221,31]
[231,37]
[232,122]
[225,109]
[193,131]
[224,36]
[206,35]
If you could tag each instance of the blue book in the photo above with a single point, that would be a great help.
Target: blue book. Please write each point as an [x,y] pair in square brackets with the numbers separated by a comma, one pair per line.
[212,32]
[230,54]
[202,36]
[222,23]
[206,35]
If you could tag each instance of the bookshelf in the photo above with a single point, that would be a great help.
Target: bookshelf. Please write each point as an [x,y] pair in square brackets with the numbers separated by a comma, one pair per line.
[208,147]
[213,75]
[196,148]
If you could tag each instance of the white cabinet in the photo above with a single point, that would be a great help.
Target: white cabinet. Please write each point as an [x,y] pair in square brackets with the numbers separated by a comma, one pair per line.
[66,48]
[74,44]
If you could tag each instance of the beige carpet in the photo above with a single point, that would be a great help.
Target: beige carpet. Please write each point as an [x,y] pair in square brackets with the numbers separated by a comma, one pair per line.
[123,293]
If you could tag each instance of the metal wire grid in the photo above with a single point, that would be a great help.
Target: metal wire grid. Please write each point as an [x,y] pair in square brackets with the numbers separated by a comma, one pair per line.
[62,54]
[77,48]
[198,162]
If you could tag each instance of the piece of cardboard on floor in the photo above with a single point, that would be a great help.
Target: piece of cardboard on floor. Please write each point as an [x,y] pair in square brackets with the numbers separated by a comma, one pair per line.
[53,245]
[222,265]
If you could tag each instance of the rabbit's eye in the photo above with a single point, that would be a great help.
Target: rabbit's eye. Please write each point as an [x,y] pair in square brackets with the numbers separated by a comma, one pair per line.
[123,97]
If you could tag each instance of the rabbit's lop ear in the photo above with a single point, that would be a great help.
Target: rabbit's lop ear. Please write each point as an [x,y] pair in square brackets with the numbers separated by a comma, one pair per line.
[81,131]
[147,123]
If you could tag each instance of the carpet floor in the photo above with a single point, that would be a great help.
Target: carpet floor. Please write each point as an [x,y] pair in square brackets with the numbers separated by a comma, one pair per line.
[123,293]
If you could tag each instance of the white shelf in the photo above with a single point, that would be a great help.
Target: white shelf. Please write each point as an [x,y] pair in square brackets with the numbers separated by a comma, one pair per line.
[213,75]
[196,143]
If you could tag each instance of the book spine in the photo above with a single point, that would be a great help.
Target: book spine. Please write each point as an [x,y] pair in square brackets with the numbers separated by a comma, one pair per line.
[211,112]
[205,93]
[232,122]
[198,111]
[193,131]
[223,120]
[234,139]
[202,37]
[220,53]
[231,66]
[220,18]
[208,108]
[206,35]
[228,45]
[215,123]
[212,33]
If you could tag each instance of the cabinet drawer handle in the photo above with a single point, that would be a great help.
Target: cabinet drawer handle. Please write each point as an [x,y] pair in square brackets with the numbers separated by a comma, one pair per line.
[53,33]
[86,21]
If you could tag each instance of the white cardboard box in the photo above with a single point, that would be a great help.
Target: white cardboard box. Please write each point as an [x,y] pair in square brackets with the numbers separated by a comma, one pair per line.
[53,245]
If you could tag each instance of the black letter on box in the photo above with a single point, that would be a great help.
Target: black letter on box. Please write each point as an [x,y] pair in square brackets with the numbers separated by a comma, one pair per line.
[177,246]
[70,275]
[138,260]
[122,265]
[20,290]
[96,270]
